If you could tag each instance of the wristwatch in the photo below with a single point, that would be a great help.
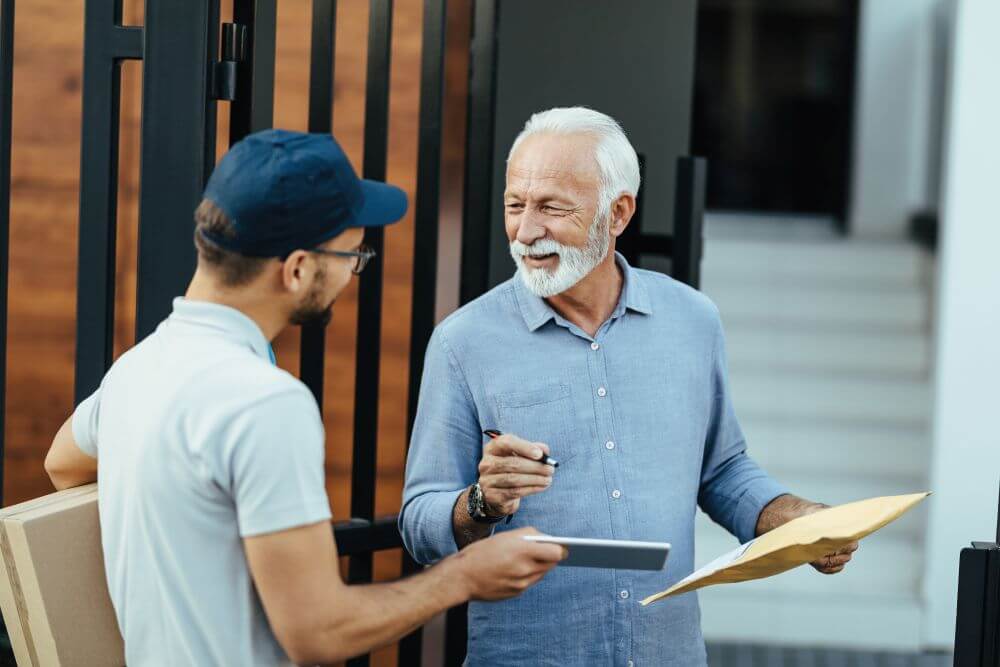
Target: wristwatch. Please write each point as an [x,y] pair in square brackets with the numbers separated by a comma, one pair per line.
[477,506]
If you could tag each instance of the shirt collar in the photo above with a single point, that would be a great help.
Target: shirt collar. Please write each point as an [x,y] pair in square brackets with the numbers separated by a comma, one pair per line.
[229,321]
[536,311]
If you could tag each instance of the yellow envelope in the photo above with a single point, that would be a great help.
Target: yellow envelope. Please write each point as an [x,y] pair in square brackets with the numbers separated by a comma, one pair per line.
[802,540]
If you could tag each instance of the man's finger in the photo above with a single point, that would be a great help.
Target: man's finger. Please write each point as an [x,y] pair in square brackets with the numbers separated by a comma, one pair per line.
[517,464]
[515,481]
[834,560]
[547,553]
[511,445]
[508,495]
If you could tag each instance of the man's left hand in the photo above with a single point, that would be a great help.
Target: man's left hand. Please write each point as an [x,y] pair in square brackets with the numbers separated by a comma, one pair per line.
[785,508]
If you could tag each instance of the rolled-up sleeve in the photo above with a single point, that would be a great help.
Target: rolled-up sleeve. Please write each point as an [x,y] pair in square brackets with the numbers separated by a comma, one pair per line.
[445,449]
[734,489]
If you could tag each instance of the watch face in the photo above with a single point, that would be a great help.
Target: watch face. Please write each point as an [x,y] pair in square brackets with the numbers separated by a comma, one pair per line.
[476,502]
[477,506]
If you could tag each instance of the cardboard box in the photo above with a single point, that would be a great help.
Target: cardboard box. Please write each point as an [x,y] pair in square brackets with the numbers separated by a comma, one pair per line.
[53,590]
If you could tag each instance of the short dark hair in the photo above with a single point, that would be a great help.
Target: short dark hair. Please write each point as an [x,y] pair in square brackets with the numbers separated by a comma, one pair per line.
[232,268]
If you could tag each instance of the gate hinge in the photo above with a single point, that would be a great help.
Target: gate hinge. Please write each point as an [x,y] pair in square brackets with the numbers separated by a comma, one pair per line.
[222,74]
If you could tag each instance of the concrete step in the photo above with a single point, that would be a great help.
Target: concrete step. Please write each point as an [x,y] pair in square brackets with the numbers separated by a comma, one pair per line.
[794,307]
[732,613]
[885,565]
[837,449]
[798,398]
[837,262]
[763,348]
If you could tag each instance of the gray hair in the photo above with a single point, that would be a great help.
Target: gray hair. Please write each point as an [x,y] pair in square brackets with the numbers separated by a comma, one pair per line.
[615,156]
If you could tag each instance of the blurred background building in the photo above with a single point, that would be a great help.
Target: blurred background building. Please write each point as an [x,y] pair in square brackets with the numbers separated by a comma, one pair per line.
[850,244]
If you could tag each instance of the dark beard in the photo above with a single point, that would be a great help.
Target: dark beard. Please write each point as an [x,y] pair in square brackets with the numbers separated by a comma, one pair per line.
[311,314]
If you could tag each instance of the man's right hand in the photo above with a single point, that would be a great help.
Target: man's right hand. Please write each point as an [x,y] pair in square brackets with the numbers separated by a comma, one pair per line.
[506,565]
[509,471]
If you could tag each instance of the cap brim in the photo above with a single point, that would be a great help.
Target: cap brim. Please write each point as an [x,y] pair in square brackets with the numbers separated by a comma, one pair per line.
[384,205]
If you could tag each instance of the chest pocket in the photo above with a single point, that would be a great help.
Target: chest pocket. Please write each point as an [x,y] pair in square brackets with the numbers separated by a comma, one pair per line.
[544,415]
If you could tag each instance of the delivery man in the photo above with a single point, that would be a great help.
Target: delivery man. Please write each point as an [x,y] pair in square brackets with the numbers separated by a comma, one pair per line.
[214,514]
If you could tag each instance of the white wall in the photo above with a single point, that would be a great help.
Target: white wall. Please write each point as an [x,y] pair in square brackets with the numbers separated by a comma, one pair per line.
[894,115]
[965,469]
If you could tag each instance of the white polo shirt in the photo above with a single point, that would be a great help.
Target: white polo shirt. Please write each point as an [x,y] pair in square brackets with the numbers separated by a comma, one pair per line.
[200,441]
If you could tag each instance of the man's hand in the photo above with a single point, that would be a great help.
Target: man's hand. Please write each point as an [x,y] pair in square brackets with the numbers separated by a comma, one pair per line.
[785,508]
[506,565]
[509,472]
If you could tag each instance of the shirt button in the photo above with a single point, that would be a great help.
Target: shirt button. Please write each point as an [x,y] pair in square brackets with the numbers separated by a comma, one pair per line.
[623,595]
[595,347]
[631,664]
[602,392]
[616,494]
[609,444]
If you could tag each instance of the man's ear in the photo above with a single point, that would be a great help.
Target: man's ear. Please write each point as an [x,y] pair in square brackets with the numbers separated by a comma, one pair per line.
[297,271]
[622,210]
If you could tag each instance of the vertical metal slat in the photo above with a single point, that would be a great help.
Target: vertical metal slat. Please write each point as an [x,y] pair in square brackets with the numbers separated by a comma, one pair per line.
[425,243]
[253,108]
[366,388]
[478,198]
[180,42]
[689,214]
[477,203]
[6,108]
[95,301]
[312,355]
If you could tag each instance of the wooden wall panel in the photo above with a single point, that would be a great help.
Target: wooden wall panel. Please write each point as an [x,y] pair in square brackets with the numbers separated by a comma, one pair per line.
[45,166]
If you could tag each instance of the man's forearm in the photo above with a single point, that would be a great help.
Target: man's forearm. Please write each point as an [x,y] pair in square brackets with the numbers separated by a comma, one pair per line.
[466,530]
[783,509]
[65,464]
[367,617]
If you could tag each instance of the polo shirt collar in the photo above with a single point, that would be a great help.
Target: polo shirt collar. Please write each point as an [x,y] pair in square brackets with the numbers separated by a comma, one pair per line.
[536,311]
[229,322]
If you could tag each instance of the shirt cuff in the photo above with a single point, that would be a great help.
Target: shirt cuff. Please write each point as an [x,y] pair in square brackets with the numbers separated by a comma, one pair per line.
[427,526]
[753,502]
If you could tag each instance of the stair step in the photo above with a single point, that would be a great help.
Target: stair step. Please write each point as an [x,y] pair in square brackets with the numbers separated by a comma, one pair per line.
[730,613]
[886,565]
[838,449]
[778,396]
[766,348]
[801,308]
[836,261]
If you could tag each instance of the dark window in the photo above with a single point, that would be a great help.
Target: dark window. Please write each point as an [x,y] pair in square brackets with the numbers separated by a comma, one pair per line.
[773,104]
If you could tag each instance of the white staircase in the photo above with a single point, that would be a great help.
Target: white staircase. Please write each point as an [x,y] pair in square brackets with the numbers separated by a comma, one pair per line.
[828,342]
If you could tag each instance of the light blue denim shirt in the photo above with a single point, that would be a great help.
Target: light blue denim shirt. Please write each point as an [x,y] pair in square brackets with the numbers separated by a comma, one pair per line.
[642,424]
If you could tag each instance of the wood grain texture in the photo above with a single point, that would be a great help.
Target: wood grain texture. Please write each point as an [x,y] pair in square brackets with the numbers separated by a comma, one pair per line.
[44,220]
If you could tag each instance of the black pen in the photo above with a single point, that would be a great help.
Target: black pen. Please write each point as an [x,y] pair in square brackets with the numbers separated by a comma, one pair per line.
[547,460]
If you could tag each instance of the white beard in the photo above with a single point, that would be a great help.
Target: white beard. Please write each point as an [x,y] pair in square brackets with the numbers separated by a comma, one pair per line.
[574,263]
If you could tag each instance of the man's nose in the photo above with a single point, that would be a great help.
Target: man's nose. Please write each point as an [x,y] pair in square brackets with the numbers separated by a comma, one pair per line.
[529,230]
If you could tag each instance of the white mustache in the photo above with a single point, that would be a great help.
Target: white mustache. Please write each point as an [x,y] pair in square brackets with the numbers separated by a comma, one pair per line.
[537,249]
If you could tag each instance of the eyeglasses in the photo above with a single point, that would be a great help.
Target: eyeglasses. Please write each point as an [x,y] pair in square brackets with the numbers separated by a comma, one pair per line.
[361,256]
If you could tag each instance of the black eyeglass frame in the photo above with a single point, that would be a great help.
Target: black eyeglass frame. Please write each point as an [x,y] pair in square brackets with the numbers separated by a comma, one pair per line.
[362,256]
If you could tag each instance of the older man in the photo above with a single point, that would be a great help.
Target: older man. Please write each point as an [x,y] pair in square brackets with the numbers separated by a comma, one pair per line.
[616,372]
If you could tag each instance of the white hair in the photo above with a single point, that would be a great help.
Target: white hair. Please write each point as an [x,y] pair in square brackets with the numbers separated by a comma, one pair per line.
[615,156]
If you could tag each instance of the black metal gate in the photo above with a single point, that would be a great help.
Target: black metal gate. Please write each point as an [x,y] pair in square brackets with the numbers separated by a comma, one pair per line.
[189,62]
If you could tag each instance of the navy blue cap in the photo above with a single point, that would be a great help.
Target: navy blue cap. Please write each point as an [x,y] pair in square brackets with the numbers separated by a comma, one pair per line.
[285,191]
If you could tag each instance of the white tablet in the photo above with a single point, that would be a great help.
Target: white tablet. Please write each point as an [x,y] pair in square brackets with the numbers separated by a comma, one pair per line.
[614,554]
